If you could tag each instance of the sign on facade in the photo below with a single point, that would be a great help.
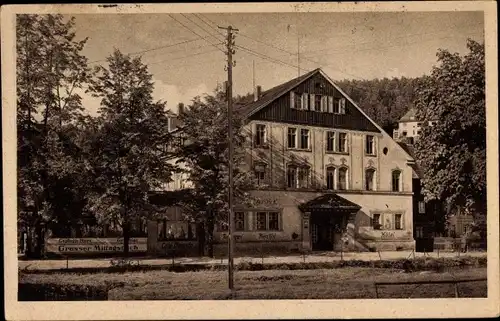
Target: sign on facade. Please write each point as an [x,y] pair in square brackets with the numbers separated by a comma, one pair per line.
[94,245]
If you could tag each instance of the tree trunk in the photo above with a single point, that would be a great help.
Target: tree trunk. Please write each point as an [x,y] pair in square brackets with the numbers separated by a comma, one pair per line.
[209,236]
[126,238]
[201,238]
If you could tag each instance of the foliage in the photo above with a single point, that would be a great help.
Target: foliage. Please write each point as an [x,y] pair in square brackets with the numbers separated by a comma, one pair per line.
[206,160]
[128,154]
[452,153]
[384,100]
[50,68]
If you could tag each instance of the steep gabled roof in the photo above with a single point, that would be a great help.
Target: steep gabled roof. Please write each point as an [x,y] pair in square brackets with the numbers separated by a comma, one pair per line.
[272,94]
[409,116]
[330,201]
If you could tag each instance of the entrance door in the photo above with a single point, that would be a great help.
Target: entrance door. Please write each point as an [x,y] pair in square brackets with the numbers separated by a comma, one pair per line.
[321,234]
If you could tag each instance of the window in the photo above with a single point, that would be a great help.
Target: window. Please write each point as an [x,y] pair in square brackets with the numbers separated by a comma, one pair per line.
[261,221]
[318,102]
[342,184]
[330,141]
[421,207]
[312,102]
[376,222]
[260,173]
[330,178]
[324,104]
[305,101]
[405,133]
[330,104]
[396,174]
[298,101]
[292,137]
[303,177]
[273,219]
[340,106]
[291,177]
[370,145]
[419,232]
[260,135]
[395,134]
[398,222]
[239,221]
[369,179]
[342,146]
[419,132]
[419,124]
[267,221]
[304,138]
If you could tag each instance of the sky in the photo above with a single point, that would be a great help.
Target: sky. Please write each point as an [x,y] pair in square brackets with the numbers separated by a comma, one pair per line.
[359,45]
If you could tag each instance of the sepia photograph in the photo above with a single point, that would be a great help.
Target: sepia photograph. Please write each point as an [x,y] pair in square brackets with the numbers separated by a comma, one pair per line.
[182,153]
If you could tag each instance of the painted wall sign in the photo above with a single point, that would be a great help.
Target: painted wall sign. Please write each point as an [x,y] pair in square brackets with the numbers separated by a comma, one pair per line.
[178,245]
[387,235]
[237,237]
[266,202]
[267,236]
[94,245]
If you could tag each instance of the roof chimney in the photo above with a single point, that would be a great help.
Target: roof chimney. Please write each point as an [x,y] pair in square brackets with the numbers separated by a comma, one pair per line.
[180,108]
[257,93]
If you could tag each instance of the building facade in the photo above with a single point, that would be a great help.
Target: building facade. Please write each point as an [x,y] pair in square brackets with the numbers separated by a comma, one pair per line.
[409,127]
[328,177]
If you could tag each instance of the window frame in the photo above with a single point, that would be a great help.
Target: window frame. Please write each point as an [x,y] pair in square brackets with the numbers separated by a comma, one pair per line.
[339,185]
[373,179]
[401,224]
[306,130]
[377,227]
[304,170]
[295,137]
[295,171]
[333,171]
[346,142]
[264,135]
[370,144]
[258,165]
[267,220]
[329,139]
[399,182]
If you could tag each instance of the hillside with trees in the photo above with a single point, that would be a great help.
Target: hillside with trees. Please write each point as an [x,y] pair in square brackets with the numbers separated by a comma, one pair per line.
[384,100]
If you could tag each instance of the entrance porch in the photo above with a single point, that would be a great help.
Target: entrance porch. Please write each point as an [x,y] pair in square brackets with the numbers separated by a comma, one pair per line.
[328,216]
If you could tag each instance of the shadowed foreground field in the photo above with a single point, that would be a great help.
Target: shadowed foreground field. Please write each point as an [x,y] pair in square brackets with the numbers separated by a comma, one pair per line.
[345,283]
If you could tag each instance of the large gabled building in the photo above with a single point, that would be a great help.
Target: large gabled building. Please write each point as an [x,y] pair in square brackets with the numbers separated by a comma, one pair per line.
[329,177]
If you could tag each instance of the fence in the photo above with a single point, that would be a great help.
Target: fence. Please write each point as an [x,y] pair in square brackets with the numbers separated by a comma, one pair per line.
[454,282]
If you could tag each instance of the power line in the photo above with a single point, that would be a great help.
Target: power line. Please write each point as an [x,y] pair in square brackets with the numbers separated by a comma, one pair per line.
[210,26]
[263,56]
[184,57]
[152,49]
[205,38]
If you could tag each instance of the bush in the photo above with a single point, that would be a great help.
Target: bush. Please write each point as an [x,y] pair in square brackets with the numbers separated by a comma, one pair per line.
[62,292]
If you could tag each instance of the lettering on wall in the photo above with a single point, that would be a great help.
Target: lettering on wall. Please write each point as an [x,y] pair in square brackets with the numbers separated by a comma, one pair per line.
[267,236]
[266,202]
[387,235]
[225,237]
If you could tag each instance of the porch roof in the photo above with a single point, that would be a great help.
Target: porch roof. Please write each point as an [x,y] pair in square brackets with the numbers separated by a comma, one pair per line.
[330,201]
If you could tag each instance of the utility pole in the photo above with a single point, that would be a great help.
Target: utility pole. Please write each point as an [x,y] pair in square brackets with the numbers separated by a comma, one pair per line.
[229,94]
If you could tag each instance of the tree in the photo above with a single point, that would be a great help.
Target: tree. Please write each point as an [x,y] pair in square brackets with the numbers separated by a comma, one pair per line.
[205,156]
[128,147]
[452,152]
[49,69]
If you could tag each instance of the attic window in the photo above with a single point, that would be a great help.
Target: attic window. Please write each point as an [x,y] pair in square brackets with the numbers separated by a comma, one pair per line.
[339,107]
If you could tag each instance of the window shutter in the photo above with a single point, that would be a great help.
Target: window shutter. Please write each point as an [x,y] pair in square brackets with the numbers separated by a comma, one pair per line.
[311,102]
[324,103]
[402,221]
[292,99]
[305,101]
[330,104]
[265,134]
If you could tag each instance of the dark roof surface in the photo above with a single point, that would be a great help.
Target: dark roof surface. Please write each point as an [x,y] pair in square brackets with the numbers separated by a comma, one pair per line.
[410,149]
[409,116]
[330,201]
[268,96]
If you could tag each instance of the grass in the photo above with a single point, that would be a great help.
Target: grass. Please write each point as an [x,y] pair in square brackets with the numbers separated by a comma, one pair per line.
[345,283]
